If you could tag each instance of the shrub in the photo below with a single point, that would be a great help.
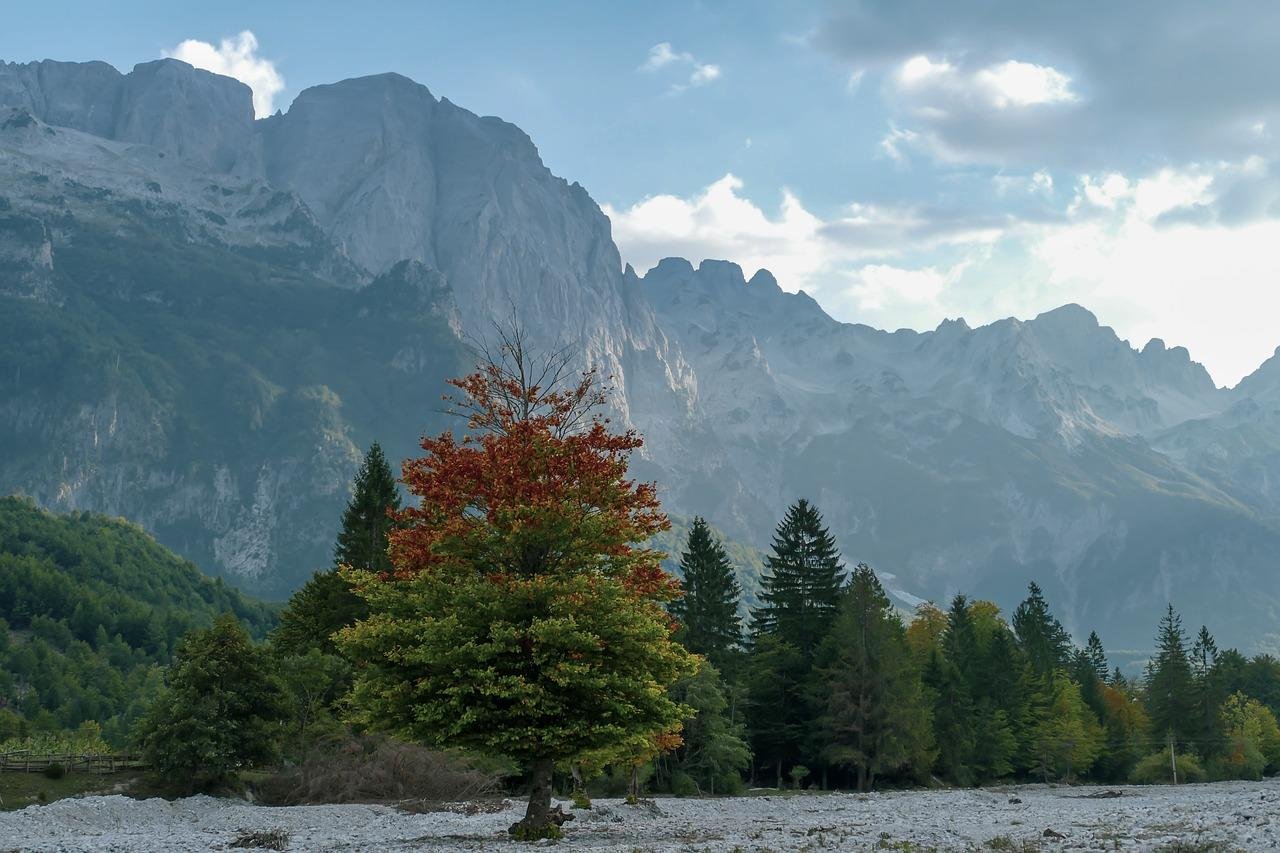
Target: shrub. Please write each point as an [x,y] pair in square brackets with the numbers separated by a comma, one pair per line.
[369,770]
[1155,769]
[683,785]
[55,771]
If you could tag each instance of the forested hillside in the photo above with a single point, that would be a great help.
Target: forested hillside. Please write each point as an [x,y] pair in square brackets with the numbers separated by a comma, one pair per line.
[90,607]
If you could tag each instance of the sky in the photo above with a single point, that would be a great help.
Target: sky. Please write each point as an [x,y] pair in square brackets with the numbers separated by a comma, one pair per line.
[901,161]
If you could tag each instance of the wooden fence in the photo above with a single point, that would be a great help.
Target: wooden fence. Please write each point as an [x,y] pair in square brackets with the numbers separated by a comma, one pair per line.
[29,762]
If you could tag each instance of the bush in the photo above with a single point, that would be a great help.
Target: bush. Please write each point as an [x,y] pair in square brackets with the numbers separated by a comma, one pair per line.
[1243,760]
[55,771]
[372,770]
[1155,769]
[683,785]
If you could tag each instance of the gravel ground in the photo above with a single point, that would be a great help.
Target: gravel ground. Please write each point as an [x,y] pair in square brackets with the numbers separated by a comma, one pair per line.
[1223,816]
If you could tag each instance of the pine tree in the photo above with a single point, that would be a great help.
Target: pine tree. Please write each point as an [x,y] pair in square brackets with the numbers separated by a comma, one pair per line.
[708,611]
[993,743]
[1042,637]
[1097,656]
[801,587]
[1207,686]
[362,542]
[325,603]
[873,718]
[1170,690]
[779,715]
[953,726]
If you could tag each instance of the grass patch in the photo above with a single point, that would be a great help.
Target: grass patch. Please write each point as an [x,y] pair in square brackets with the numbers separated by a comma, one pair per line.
[19,790]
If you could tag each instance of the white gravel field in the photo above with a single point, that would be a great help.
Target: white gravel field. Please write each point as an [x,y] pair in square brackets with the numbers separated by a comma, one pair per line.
[1222,816]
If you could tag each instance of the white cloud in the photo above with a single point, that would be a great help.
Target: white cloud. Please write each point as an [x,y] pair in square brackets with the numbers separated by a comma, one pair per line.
[939,87]
[843,260]
[1022,84]
[719,223]
[236,57]
[881,286]
[1208,287]
[1142,251]
[662,55]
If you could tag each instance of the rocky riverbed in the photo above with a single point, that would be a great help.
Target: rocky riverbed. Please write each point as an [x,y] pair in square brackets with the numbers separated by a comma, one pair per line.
[1224,816]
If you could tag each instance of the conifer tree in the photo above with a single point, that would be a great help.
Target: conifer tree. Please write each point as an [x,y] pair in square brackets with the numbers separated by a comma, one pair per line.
[1207,685]
[873,719]
[326,603]
[952,720]
[1042,637]
[1097,656]
[779,714]
[708,611]
[362,541]
[993,743]
[801,587]
[1170,690]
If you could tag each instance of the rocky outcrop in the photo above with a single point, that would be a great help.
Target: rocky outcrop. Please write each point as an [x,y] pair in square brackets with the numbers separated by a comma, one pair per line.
[204,118]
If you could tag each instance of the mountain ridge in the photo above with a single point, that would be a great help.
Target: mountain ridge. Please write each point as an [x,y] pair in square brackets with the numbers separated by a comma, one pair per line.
[952,459]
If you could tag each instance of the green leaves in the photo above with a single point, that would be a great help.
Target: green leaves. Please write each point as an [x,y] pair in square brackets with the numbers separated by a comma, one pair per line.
[220,711]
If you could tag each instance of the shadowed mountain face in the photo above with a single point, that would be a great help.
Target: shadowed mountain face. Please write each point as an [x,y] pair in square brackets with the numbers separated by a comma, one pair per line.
[206,317]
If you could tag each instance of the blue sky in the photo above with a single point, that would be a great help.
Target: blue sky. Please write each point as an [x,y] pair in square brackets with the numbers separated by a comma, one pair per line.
[903,161]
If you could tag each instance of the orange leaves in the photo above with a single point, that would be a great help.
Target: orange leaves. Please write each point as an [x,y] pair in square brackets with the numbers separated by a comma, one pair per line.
[539,486]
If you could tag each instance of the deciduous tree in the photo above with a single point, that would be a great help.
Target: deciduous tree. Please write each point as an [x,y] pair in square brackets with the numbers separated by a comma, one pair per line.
[519,616]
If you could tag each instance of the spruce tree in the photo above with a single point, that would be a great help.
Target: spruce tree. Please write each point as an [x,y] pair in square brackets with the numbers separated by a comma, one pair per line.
[325,603]
[993,743]
[1207,685]
[779,715]
[1042,637]
[1170,690]
[873,718]
[362,542]
[801,587]
[708,612]
[1097,656]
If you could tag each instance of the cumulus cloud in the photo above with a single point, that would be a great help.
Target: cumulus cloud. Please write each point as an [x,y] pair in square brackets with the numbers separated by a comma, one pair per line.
[236,57]
[663,56]
[1150,253]
[852,262]
[1151,273]
[1108,83]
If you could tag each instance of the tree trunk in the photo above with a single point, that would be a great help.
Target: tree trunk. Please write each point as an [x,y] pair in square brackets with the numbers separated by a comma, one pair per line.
[633,784]
[540,820]
[862,779]
[779,774]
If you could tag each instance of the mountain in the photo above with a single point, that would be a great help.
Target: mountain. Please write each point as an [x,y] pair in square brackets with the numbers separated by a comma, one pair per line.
[207,317]
[89,608]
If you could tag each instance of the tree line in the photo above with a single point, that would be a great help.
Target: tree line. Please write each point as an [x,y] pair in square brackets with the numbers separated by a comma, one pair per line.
[837,688]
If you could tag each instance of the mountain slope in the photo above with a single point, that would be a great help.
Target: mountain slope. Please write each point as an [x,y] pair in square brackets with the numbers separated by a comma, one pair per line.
[204,318]
[89,608]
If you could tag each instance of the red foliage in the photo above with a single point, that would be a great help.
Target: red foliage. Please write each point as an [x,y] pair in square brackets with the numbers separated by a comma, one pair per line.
[537,486]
